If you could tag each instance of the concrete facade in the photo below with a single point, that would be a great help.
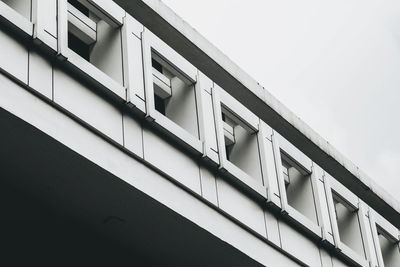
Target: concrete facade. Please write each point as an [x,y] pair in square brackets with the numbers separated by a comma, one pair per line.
[110,122]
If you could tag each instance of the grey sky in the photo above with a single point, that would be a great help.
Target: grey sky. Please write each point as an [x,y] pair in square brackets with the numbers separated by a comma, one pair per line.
[336,64]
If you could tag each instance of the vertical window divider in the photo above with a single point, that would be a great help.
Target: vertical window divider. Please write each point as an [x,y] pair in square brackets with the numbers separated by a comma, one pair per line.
[364,224]
[132,59]
[146,48]
[62,29]
[376,220]
[316,172]
[374,230]
[201,116]
[331,210]
[263,158]
[279,173]
[218,125]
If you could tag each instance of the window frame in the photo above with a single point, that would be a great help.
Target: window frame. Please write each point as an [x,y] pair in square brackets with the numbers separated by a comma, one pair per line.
[111,12]
[151,42]
[391,232]
[351,200]
[281,145]
[221,97]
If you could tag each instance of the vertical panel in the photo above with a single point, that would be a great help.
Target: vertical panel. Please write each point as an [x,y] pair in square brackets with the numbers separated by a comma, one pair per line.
[133,60]
[13,56]
[208,185]
[272,225]
[133,135]
[338,263]
[372,252]
[208,117]
[299,245]
[326,259]
[40,74]
[171,160]
[137,82]
[46,16]
[279,171]
[366,233]
[49,22]
[206,83]
[324,210]
[271,169]
[80,100]
[240,206]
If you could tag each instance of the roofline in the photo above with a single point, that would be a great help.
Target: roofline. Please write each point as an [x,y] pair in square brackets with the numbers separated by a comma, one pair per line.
[178,34]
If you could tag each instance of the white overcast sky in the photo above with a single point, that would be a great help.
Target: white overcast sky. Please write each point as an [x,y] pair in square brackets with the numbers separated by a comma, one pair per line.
[336,64]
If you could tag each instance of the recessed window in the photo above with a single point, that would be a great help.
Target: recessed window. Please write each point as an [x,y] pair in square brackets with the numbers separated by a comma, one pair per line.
[348,224]
[23,7]
[174,94]
[93,39]
[298,186]
[241,144]
[389,249]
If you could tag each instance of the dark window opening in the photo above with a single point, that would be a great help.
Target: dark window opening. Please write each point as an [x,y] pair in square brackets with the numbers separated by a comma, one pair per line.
[78,46]
[156,65]
[79,6]
[159,104]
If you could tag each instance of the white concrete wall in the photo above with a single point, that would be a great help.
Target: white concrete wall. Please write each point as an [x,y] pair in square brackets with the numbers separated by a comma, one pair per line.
[103,131]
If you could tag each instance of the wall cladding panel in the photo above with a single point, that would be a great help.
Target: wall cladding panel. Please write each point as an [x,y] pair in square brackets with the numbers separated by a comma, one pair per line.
[13,56]
[241,207]
[171,160]
[326,259]
[298,245]
[40,74]
[87,105]
[208,185]
[337,263]
[133,135]
[272,225]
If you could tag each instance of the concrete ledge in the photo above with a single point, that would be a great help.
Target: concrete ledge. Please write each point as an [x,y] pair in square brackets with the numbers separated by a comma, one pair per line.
[163,22]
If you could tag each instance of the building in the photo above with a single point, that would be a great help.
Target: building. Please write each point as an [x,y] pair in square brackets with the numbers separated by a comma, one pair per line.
[128,139]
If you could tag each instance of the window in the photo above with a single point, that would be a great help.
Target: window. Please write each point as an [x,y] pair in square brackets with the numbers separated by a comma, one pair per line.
[238,137]
[171,91]
[389,249]
[174,95]
[92,36]
[349,227]
[299,188]
[297,185]
[386,239]
[348,224]
[241,144]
